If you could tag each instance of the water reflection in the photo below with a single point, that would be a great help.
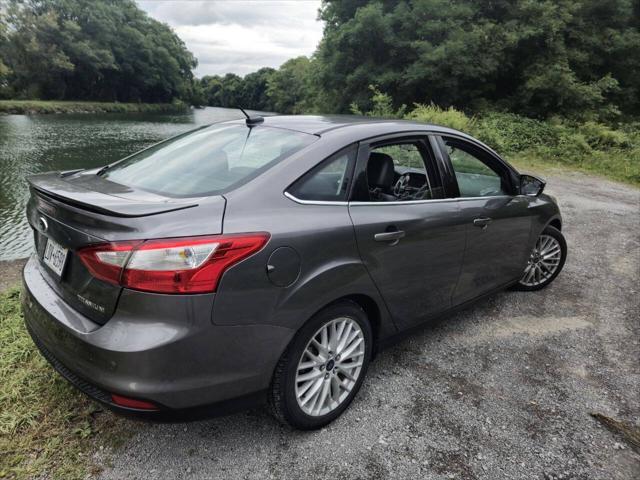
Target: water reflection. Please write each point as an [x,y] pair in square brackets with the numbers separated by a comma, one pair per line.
[40,143]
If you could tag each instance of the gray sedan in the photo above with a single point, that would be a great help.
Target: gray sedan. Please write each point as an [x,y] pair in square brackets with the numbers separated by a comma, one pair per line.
[267,260]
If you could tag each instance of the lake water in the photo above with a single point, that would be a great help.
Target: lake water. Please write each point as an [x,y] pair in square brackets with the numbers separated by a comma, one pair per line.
[41,143]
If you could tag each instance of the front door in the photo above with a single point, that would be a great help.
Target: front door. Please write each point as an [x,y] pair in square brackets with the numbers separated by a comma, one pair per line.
[497,218]
[410,237]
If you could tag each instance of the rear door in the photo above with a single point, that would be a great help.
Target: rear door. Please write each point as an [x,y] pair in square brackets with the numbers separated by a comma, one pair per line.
[497,219]
[410,237]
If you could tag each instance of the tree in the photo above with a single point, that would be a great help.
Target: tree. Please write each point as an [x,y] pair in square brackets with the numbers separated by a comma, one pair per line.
[4,70]
[82,49]
[254,90]
[572,57]
[289,87]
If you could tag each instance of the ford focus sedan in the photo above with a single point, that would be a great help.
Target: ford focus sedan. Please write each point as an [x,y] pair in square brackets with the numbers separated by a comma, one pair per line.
[267,260]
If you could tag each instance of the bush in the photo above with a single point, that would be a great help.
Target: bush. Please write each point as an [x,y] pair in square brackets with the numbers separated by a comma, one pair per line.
[381,106]
[589,146]
[450,117]
[601,136]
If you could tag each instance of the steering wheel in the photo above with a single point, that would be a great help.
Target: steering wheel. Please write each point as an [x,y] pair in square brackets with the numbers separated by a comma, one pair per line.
[401,184]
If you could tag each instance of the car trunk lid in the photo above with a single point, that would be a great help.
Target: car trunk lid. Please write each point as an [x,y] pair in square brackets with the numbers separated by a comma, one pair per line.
[78,209]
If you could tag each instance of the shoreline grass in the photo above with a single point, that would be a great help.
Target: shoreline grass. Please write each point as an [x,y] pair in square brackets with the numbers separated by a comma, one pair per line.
[47,428]
[33,107]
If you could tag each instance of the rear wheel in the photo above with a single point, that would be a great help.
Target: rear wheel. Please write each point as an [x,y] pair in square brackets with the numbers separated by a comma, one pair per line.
[545,261]
[322,370]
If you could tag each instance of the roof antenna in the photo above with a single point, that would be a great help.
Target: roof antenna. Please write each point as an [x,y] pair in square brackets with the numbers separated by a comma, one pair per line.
[252,121]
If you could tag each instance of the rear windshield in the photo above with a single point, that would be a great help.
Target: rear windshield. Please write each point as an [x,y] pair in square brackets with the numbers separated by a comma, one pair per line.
[208,161]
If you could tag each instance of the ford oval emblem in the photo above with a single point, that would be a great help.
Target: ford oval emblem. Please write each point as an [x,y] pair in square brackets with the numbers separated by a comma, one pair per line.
[42,222]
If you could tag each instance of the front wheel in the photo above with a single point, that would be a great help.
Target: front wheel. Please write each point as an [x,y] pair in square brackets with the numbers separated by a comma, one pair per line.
[322,370]
[545,261]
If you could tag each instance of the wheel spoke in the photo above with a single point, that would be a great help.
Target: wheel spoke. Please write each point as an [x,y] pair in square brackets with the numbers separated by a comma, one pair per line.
[311,364]
[321,350]
[313,392]
[323,396]
[335,388]
[302,390]
[347,374]
[352,347]
[324,338]
[344,337]
[316,358]
[351,356]
[309,375]
[333,337]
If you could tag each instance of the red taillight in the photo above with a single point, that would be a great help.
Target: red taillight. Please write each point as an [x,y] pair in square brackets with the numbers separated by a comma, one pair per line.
[132,403]
[177,265]
[105,261]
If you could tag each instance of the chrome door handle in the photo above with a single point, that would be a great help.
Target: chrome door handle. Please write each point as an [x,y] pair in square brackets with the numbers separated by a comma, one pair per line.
[482,222]
[393,237]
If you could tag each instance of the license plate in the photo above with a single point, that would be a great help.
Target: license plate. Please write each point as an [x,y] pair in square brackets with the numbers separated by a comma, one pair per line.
[54,256]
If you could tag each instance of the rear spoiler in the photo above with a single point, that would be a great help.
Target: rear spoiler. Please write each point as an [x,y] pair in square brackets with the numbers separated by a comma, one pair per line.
[52,186]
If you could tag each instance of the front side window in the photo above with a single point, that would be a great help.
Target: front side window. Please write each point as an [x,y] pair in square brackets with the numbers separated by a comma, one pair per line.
[209,161]
[397,172]
[475,178]
[327,182]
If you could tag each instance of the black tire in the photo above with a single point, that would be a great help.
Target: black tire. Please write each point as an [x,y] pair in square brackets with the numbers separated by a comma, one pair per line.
[282,397]
[557,234]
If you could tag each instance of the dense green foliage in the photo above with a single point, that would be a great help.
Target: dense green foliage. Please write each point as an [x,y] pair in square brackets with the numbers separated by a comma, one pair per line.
[539,58]
[86,50]
[534,143]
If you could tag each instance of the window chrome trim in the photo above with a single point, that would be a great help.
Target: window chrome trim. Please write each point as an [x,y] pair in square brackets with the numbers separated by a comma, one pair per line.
[314,202]
[407,202]
[431,200]
[485,197]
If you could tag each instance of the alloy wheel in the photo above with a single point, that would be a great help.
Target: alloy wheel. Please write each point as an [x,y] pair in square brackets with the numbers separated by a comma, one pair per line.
[330,366]
[543,261]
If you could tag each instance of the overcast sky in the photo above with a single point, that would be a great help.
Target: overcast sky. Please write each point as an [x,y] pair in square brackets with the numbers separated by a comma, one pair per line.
[240,36]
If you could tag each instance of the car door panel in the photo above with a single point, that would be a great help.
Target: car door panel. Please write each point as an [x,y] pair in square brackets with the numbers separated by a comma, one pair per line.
[496,249]
[412,249]
[497,219]
[417,275]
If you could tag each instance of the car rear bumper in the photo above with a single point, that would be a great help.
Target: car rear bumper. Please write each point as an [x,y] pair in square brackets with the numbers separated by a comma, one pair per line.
[160,348]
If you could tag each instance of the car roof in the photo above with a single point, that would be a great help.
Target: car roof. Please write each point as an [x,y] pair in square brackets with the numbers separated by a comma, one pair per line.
[319,124]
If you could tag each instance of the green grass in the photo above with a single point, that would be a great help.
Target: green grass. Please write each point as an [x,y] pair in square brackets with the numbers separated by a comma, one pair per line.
[46,427]
[54,106]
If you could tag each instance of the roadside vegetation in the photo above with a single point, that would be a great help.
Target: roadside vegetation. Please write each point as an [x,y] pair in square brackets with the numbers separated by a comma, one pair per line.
[587,146]
[46,427]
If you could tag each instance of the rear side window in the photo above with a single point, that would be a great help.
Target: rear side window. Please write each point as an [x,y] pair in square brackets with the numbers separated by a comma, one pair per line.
[329,181]
[209,161]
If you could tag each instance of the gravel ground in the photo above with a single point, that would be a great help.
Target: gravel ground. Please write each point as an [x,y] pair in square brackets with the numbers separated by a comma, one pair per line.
[503,390]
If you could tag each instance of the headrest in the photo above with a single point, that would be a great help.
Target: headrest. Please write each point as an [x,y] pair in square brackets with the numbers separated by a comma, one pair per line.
[380,170]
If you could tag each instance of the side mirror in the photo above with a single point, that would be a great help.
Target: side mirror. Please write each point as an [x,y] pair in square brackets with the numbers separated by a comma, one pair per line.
[531,186]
